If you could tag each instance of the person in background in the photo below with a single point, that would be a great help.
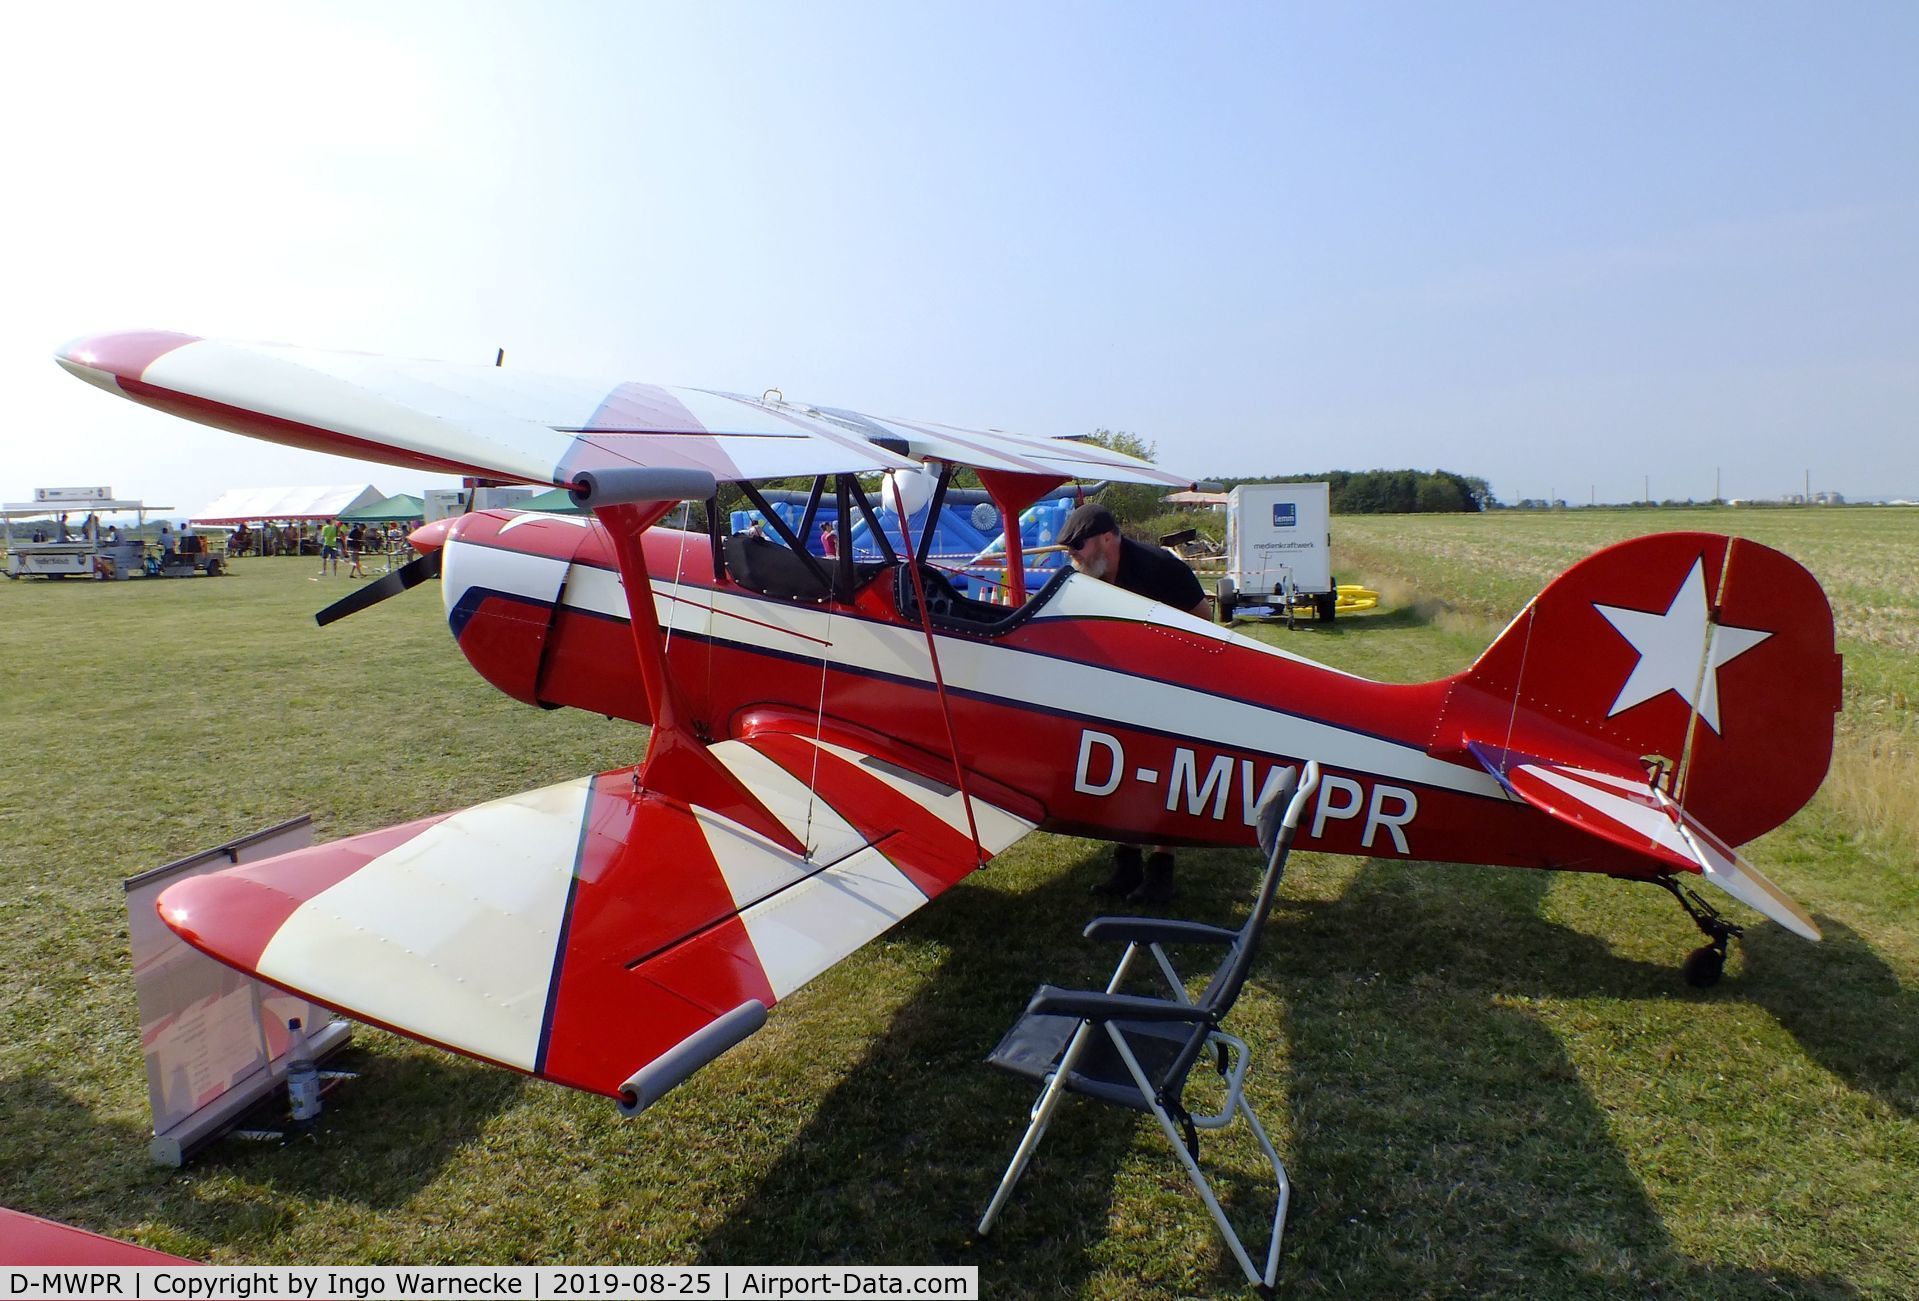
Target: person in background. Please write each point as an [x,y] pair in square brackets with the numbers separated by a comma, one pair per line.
[829,540]
[1092,538]
[329,547]
[355,544]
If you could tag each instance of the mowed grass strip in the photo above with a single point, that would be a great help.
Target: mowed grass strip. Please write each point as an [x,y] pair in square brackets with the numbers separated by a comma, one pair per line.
[1484,1081]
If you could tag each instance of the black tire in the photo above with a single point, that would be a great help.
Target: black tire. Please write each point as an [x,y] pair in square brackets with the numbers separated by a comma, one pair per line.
[1225,598]
[1704,966]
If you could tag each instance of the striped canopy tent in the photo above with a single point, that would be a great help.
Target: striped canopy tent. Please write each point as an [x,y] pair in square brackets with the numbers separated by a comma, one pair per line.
[397,509]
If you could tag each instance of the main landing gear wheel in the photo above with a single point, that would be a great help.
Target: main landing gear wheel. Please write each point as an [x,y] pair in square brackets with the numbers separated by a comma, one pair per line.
[1707,963]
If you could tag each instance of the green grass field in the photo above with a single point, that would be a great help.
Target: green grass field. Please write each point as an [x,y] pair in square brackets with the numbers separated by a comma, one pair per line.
[1484,1081]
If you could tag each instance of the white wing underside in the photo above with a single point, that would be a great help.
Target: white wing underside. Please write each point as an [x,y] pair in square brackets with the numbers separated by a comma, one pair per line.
[542,429]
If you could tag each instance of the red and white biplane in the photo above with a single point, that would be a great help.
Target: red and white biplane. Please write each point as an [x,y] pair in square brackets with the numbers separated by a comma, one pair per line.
[837,741]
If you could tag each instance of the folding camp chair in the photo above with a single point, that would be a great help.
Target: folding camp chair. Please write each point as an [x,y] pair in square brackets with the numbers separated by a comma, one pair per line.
[1137,1051]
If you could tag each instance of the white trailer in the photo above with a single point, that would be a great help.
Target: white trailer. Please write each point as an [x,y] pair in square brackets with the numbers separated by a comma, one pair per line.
[1279,552]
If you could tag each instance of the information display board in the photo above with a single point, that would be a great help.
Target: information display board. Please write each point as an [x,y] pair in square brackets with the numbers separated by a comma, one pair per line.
[212,1038]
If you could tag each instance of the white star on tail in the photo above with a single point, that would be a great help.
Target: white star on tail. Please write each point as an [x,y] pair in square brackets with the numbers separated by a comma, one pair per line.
[1680,650]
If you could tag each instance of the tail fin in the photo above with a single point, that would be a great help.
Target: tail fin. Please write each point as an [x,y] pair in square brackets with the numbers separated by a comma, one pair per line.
[1697,666]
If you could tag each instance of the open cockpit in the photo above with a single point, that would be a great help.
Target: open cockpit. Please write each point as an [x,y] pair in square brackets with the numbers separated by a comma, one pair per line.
[832,543]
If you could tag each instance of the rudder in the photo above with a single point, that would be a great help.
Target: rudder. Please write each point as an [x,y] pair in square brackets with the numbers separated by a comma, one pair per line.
[1702,660]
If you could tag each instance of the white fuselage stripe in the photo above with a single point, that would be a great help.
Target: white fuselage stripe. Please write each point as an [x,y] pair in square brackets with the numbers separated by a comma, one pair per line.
[985,670]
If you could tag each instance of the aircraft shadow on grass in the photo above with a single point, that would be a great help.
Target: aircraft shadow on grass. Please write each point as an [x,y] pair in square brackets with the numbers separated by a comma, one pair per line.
[1513,1154]
[374,1154]
[75,1144]
[1510,1161]
[385,1136]
[1844,1006]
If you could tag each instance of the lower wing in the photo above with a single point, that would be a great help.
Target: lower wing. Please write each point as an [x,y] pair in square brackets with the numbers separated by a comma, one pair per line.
[593,933]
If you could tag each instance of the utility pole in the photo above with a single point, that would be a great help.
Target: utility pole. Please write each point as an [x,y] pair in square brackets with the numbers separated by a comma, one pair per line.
[1715,485]
[1645,494]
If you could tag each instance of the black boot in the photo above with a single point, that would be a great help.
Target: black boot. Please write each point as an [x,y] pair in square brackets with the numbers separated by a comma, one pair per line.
[1127,873]
[1157,887]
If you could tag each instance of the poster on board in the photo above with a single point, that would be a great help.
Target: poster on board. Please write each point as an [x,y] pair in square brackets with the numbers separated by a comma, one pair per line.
[212,1038]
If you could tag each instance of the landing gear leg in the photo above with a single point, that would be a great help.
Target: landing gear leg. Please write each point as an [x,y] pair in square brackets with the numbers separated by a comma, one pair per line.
[1705,964]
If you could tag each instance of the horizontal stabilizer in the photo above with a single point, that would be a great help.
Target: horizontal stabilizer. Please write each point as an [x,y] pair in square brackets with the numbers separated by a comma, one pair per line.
[1642,818]
[593,933]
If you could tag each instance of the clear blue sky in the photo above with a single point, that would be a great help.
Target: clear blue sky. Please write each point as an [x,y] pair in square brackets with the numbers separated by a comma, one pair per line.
[1559,247]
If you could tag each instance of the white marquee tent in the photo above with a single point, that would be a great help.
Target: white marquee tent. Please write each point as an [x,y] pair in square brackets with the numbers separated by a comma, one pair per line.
[254,505]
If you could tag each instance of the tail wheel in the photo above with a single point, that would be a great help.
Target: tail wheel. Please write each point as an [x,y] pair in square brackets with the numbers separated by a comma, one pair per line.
[1705,964]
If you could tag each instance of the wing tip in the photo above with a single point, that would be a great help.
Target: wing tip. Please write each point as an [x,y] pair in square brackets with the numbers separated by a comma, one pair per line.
[105,359]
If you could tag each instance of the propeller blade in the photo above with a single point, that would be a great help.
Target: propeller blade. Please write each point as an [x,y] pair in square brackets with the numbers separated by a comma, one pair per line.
[411,574]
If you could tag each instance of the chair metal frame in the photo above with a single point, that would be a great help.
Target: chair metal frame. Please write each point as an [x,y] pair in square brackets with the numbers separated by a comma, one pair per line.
[1110,1009]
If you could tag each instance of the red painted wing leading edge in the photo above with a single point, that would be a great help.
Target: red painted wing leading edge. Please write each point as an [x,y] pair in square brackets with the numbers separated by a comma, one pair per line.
[585,931]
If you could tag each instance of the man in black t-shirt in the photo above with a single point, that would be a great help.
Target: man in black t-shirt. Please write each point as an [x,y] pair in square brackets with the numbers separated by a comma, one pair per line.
[1092,538]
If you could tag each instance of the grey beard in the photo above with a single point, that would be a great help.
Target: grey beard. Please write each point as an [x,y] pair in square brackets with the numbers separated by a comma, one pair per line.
[1092,568]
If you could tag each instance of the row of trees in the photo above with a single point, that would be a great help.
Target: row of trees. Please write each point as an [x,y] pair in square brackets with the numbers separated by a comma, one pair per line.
[1354,492]
[1393,492]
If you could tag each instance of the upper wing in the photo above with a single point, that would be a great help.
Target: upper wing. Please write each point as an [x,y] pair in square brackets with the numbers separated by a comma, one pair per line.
[995,449]
[592,933]
[508,424]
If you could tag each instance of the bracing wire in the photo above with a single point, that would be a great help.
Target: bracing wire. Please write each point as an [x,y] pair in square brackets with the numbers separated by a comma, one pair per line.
[939,678]
[819,729]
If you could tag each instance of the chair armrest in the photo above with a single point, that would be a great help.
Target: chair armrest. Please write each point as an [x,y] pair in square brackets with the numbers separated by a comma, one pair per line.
[1156,930]
[1093,1005]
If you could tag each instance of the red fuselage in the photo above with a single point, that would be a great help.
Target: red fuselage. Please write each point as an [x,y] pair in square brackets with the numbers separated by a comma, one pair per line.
[1098,712]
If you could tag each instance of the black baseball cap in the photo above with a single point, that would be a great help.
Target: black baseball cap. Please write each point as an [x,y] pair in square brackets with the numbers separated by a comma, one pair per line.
[1087,521]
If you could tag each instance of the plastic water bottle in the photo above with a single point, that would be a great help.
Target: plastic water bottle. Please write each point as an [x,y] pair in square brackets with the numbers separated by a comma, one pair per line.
[303,1080]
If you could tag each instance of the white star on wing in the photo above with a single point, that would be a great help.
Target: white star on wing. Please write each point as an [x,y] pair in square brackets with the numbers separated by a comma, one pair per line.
[1680,650]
